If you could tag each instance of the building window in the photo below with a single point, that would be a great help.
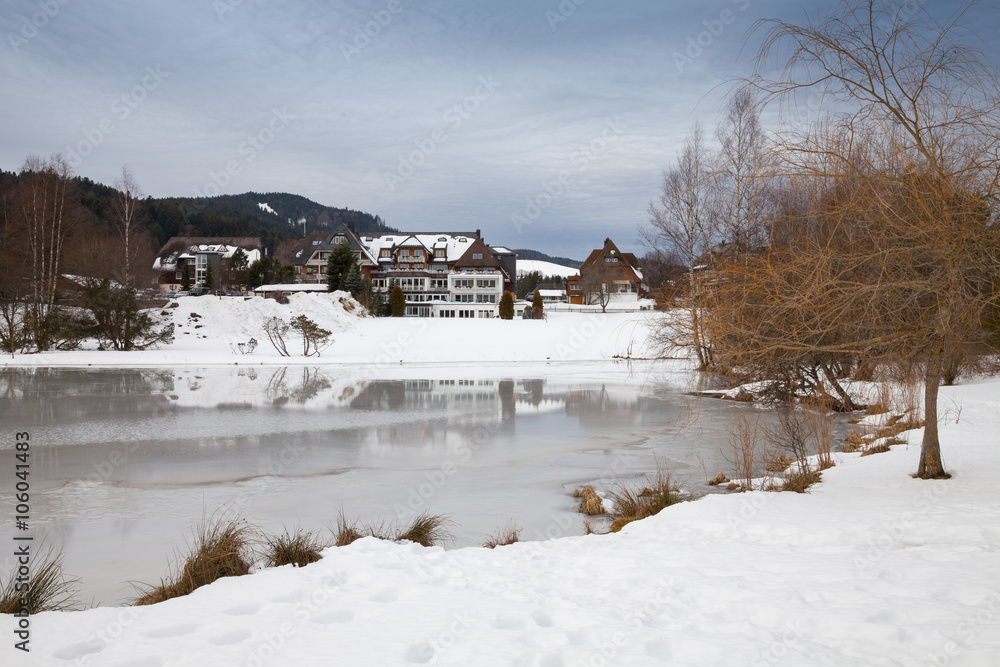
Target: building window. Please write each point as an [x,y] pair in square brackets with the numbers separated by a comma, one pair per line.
[386,253]
[404,253]
[464,283]
[477,255]
[610,259]
[486,283]
[439,253]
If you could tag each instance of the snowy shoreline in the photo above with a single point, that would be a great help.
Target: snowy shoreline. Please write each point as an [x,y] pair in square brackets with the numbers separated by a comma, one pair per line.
[870,566]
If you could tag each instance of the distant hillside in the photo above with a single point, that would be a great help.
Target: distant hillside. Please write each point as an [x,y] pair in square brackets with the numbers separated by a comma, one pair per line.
[274,216]
[523,253]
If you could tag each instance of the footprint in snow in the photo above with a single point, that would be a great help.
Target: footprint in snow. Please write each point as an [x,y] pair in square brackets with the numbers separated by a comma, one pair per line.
[421,653]
[75,651]
[542,619]
[242,610]
[231,637]
[338,616]
[171,631]
[293,596]
[509,622]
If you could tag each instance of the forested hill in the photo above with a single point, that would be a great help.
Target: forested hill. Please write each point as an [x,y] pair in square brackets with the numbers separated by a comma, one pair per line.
[524,253]
[225,215]
[273,216]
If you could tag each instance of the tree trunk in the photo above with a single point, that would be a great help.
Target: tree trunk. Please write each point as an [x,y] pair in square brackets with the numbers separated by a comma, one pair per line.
[931,465]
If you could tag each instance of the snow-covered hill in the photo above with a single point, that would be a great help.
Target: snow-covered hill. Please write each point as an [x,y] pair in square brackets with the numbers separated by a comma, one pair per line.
[525,266]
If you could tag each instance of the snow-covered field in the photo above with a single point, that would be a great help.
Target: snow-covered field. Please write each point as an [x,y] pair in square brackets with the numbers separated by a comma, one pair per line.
[210,329]
[870,567]
[525,266]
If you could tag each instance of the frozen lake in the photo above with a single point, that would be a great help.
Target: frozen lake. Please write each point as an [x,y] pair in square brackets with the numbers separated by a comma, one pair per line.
[126,462]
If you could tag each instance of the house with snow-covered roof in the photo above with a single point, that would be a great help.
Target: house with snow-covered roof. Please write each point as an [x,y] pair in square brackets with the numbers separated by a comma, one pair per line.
[442,274]
[311,254]
[196,253]
[609,270]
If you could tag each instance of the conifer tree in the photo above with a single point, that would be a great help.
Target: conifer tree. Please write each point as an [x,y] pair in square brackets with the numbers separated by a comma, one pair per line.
[537,305]
[397,301]
[353,281]
[507,306]
[338,266]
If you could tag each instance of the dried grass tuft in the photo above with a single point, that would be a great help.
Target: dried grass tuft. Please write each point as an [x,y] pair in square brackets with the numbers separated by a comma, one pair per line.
[718,479]
[298,549]
[509,534]
[222,548]
[49,589]
[590,502]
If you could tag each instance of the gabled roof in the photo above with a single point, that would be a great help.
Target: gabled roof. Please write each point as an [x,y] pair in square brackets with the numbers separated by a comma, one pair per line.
[610,249]
[487,261]
[454,244]
[186,247]
[326,241]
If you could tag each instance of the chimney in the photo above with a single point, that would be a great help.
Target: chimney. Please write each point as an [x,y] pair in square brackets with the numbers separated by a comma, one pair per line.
[350,225]
[478,234]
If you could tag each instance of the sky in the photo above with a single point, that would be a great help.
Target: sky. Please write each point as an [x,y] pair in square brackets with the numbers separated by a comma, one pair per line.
[544,123]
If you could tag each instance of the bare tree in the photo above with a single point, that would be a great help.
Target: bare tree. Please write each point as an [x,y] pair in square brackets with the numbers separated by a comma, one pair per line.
[897,258]
[599,284]
[47,221]
[742,172]
[681,224]
[127,219]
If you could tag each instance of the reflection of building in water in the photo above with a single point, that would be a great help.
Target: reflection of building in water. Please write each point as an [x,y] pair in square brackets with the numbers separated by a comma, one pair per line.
[68,394]
[604,405]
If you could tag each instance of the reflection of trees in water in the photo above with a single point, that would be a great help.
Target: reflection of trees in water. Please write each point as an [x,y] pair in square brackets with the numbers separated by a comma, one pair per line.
[313,381]
[42,394]
[307,387]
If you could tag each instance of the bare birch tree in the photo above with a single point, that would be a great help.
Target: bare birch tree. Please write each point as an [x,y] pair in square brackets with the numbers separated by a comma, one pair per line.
[742,173]
[47,223]
[681,224]
[127,220]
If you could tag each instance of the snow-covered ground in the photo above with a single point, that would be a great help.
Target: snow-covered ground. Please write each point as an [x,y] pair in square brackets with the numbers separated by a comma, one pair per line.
[525,266]
[871,567]
[210,329]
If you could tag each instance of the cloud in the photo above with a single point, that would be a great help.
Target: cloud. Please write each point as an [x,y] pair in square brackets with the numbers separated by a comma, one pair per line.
[367,85]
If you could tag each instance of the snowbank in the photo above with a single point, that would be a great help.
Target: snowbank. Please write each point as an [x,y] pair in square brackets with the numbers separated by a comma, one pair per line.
[869,567]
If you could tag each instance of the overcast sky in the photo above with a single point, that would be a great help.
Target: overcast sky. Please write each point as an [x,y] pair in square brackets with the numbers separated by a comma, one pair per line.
[436,115]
